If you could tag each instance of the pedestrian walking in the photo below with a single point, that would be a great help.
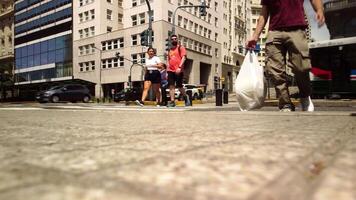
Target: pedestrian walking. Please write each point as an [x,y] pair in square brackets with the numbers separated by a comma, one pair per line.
[287,35]
[152,77]
[176,59]
[164,85]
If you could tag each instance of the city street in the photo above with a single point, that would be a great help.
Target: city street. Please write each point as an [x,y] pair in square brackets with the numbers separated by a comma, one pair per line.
[107,152]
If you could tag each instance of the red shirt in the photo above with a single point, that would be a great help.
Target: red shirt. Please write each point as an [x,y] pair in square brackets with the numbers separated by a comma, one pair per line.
[175,57]
[285,14]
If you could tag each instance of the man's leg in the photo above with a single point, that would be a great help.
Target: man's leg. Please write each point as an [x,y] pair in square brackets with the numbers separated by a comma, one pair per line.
[179,80]
[171,83]
[276,66]
[300,60]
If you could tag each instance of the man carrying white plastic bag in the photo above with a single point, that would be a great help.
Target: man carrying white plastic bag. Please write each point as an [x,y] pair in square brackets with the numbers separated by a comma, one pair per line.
[249,84]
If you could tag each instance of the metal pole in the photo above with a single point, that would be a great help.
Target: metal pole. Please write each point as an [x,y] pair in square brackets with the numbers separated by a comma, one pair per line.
[174,15]
[150,14]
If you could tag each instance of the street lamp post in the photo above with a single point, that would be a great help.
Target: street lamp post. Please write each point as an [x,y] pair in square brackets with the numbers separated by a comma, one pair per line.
[203,5]
[100,56]
[133,64]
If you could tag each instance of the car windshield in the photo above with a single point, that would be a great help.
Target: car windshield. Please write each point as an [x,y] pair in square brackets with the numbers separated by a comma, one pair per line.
[54,87]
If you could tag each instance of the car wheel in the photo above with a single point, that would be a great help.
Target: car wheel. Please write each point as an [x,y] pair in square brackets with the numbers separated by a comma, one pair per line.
[195,96]
[86,99]
[55,99]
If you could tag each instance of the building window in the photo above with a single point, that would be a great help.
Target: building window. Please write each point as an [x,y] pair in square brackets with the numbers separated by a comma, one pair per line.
[108,29]
[92,14]
[191,24]
[86,32]
[109,14]
[115,63]
[143,58]
[142,18]
[109,1]
[134,40]
[86,15]
[92,63]
[134,3]
[134,58]
[81,50]
[92,30]
[119,3]
[81,19]
[87,66]
[122,63]
[170,14]
[81,33]
[121,42]
[119,18]
[134,20]
[185,23]
[180,20]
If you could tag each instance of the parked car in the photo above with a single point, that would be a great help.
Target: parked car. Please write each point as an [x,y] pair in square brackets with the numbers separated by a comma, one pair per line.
[67,92]
[128,94]
[197,93]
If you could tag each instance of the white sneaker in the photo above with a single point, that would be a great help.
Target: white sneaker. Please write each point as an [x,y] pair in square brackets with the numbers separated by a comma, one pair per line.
[306,104]
[139,103]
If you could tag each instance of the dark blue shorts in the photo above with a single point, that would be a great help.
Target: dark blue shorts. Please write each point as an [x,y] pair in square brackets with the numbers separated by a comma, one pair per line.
[175,79]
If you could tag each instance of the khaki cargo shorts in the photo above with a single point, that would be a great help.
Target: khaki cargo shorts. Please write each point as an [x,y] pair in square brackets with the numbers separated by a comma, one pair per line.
[287,48]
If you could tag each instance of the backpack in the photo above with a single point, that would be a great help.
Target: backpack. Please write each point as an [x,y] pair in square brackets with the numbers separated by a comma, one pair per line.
[179,46]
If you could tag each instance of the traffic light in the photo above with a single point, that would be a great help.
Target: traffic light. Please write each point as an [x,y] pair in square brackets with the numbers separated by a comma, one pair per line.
[202,8]
[168,44]
[168,41]
[144,38]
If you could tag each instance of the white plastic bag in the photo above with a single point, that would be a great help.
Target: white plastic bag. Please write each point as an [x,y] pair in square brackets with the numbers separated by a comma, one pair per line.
[249,84]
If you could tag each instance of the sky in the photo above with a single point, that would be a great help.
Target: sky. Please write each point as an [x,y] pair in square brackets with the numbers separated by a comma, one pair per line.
[318,34]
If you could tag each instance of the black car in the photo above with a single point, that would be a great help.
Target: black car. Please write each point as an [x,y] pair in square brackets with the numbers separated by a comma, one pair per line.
[67,92]
[128,94]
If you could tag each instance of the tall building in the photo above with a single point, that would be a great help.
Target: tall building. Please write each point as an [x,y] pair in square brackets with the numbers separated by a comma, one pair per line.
[233,31]
[43,44]
[256,8]
[6,45]
[103,28]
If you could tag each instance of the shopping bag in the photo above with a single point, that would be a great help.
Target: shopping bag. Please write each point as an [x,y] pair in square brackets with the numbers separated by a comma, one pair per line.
[250,84]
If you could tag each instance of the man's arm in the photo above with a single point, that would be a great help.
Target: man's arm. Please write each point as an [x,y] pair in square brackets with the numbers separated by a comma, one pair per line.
[262,20]
[181,64]
[319,10]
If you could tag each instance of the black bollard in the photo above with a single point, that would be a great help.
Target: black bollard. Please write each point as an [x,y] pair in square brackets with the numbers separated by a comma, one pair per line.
[218,97]
[189,95]
[226,97]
